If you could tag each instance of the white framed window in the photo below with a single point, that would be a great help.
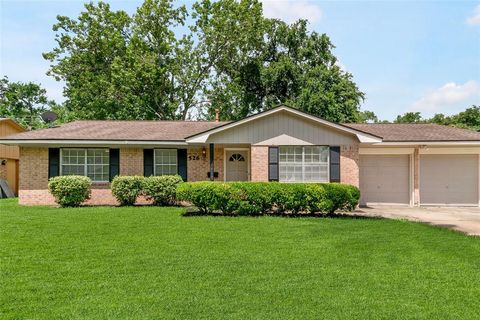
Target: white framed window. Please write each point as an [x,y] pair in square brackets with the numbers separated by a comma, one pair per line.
[92,163]
[165,161]
[303,164]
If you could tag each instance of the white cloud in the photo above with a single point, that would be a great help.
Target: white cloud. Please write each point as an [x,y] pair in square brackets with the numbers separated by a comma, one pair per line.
[474,20]
[449,96]
[291,10]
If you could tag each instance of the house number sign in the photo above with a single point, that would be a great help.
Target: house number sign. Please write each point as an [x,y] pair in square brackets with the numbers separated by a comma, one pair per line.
[193,156]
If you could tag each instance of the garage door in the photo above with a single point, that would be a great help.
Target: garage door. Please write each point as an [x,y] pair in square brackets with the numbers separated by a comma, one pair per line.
[384,179]
[449,179]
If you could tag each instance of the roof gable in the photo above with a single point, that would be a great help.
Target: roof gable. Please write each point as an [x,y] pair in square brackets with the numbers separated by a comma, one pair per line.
[361,136]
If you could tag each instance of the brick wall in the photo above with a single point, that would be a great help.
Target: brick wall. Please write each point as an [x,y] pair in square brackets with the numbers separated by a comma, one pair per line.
[197,169]
[349,160]
[34,177]
[259,163]
[131,162]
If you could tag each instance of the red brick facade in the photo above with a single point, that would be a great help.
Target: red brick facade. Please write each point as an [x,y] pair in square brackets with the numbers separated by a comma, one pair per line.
[34,171]
[349,160]
[198,165]
[259,163]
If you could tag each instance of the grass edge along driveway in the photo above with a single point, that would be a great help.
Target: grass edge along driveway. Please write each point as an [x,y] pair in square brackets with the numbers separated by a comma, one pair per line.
[153,263]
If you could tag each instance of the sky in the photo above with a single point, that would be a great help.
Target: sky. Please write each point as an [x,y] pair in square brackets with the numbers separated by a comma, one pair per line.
[404,55]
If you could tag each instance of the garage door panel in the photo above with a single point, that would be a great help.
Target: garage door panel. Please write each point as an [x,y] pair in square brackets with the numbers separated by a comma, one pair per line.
[449,179]
[384,179]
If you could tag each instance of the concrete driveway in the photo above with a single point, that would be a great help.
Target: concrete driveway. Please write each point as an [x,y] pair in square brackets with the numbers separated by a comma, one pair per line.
[463,219]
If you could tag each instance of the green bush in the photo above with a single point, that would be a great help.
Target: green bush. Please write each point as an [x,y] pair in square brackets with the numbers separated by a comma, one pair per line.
[126,189]
[253,198]
[70,191]
[201,194]
[161,189]
[340,197]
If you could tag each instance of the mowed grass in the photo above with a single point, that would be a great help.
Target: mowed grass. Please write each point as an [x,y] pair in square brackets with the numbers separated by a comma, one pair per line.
[153,263]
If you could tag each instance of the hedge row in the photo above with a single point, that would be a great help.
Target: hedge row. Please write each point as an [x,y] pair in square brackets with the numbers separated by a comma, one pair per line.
[242,198]
[252,198]
[158,189]
[71,191]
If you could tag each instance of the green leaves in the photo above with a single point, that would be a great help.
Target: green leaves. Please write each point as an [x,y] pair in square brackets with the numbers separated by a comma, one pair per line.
[150,66]
[23,102]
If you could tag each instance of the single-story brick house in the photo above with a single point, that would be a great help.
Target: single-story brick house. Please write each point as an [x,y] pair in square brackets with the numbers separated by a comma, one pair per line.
[394,164]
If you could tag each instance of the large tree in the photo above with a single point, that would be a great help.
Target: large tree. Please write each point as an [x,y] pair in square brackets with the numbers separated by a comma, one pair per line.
[150,66]
[23,102]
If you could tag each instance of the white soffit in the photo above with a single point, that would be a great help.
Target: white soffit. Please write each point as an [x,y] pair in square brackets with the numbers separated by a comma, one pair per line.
[284,139]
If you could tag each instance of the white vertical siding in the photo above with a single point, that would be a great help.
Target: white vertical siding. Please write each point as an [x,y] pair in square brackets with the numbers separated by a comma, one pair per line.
[267,130]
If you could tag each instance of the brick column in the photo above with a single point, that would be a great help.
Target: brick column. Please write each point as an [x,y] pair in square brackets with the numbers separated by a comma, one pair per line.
[349,161]
[131,162]
[259,163]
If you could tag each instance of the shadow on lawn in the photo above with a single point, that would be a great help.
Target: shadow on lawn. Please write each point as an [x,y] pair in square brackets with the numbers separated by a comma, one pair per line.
[194,212]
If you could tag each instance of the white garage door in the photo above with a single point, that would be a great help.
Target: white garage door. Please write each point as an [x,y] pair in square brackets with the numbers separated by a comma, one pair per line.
[449,179]
[384,179]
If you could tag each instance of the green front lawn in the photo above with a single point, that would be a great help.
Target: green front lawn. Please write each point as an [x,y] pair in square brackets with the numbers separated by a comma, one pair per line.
[153,263]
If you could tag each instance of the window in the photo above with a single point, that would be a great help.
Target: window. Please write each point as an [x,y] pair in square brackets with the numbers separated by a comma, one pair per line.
[303,164]
[93,163]
[236,157]
[165,162]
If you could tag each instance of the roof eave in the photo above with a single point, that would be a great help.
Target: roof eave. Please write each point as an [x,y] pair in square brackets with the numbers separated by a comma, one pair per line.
[83,142]
[362,136]
[432,143]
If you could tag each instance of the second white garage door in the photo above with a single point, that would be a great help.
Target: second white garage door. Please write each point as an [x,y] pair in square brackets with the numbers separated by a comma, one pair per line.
[385,179]
[449,179]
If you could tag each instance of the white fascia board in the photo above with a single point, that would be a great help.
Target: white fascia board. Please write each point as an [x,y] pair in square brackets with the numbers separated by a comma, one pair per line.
[90,143]
[199,139]
[450,150]
[363,137]
[367,139]
[428,143]
[385,151]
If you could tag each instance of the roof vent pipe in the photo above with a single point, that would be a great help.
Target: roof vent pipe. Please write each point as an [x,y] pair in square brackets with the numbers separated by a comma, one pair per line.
[217,115]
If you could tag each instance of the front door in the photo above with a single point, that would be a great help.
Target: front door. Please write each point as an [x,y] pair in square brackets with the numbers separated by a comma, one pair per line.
[236,165]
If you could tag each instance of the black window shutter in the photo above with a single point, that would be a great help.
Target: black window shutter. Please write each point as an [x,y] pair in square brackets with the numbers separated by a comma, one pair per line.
[148,162]
[273,164]
[53,162]
[114,163]
[182,163]
[335,164]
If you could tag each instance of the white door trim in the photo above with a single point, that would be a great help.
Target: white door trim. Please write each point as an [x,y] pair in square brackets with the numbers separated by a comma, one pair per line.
[225,161]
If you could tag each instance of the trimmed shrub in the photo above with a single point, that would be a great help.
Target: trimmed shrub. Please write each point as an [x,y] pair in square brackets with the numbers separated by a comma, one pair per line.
[161,189]
[70,191]
[200,194]
[126,189]
[340,197]
[253,198]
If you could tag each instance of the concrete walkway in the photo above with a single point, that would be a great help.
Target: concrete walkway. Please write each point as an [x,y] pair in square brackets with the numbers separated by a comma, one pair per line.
[463,219]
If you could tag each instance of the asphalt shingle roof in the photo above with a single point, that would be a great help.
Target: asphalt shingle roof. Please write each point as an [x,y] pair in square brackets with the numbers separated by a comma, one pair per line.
[407,132]
[120,130]
[179,130]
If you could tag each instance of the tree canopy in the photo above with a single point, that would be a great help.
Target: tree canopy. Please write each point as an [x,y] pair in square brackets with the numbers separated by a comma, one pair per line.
[23,102]
[157,64]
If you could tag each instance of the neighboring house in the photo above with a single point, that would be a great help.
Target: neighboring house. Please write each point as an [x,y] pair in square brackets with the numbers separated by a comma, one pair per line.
[9,155]
[401,164]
